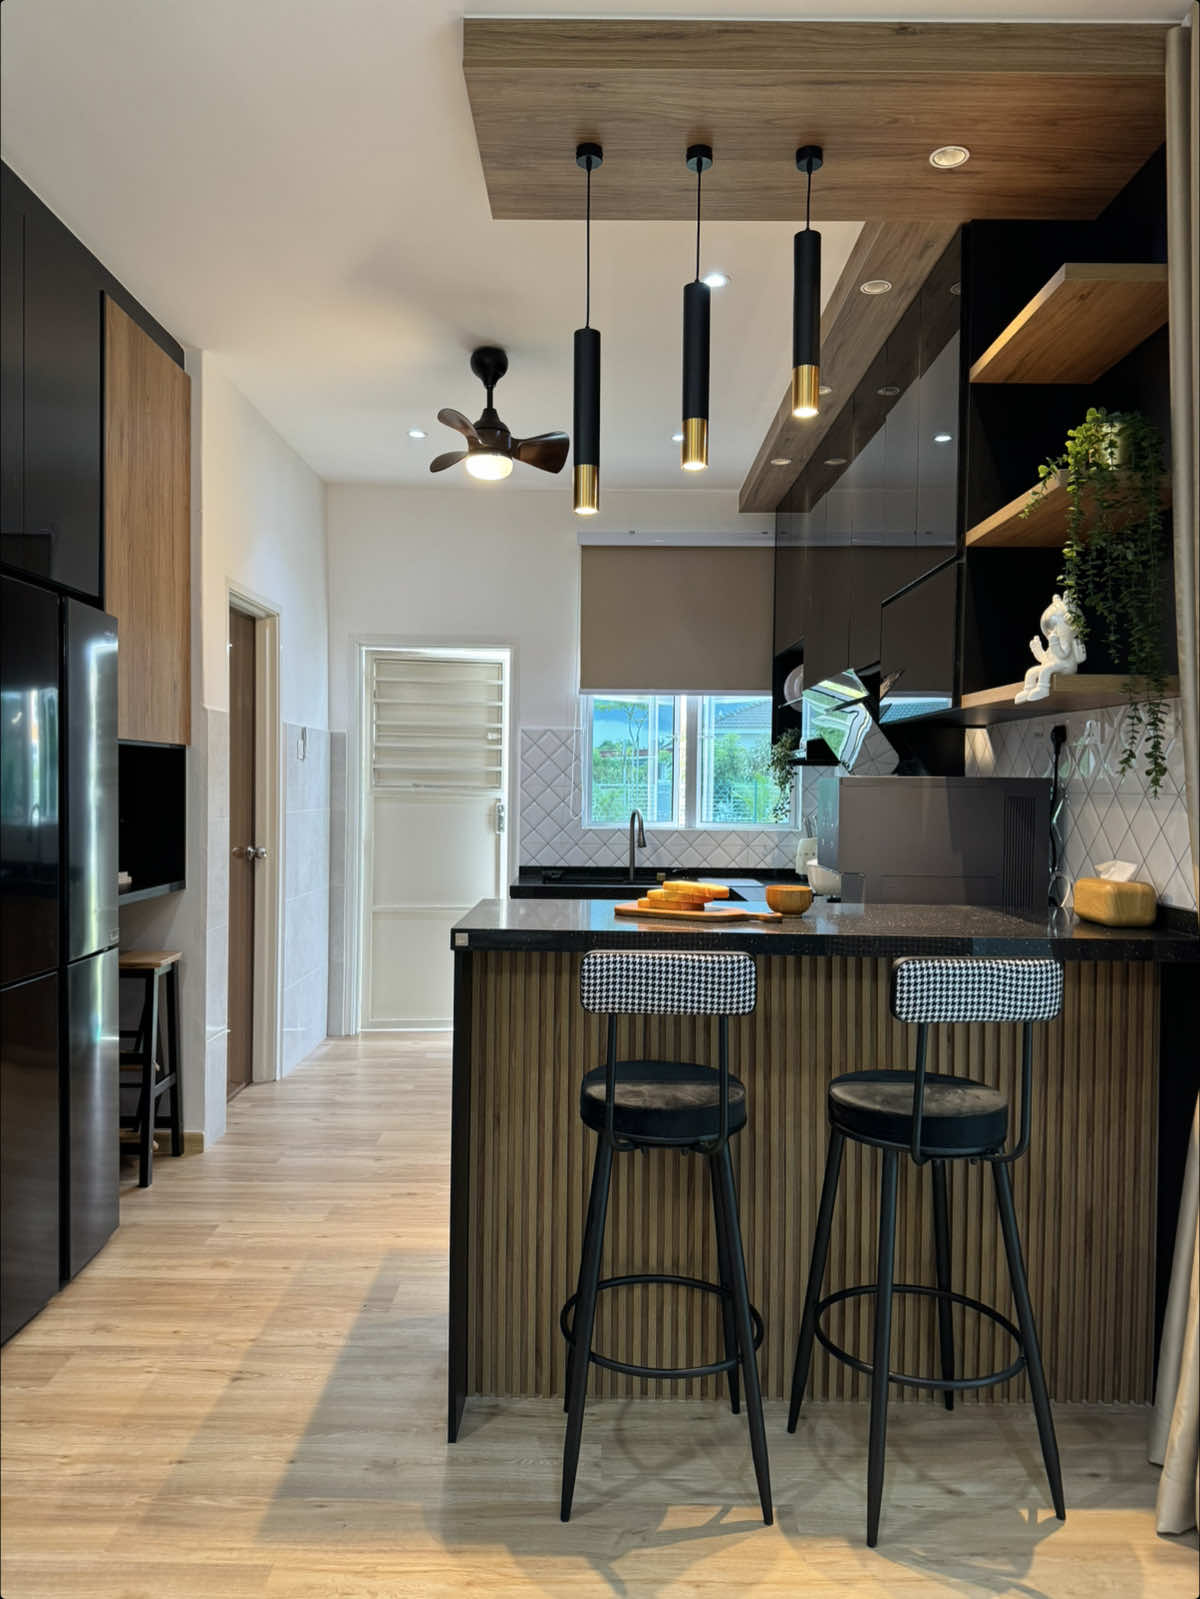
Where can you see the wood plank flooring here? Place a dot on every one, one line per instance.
(244, 1395)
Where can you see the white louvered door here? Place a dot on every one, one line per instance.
(437, 767)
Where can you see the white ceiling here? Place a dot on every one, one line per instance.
(297, 188)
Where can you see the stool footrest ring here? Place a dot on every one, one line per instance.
(903, 1379)
(566, 1322)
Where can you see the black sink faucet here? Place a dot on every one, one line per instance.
(637, 840)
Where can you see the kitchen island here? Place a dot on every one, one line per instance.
(521, 1158)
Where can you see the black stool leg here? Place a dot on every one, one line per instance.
(725, 1276)
(1029, 1337)
(745, 1332)
(881, 1361)
(173, 1067)
(816, 1274)
(146, 1114)
(588, 1227)
(941, 1250)
(585, 1319)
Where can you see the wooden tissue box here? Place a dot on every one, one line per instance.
(1115, 904)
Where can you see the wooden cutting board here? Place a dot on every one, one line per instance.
(710, 913)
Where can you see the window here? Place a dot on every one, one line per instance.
(632, 745)
(733, 759)
(683, 761)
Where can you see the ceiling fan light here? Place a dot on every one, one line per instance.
(489, 466)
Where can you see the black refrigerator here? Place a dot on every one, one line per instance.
(59, 1072)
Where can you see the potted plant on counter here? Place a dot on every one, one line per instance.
(1112, 577)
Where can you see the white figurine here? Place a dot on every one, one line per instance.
(1062, 652)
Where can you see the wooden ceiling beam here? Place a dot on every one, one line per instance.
(1057, 116)
(854, 328)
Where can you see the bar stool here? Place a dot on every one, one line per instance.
(157, 1070)
(935, 1118)
(645, 1104)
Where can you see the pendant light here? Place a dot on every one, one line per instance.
(806, 298)
(586, 470)
(697, 298)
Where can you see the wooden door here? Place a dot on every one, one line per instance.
(242, 850)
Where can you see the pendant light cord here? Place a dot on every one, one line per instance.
(808, 202)
(587, 235)
(699, 180)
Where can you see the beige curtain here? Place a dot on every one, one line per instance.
(1176, 1427)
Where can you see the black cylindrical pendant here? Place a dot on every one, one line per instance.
(806, 322)
(586, 471)
(697, 299)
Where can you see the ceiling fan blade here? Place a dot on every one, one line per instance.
(455, 419)
(548, 451)
(451, 458)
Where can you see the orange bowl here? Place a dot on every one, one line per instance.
(790, 899)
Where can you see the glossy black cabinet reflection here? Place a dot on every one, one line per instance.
(29, 780)
(91, 1094)
(60, 538)
(29, 1172)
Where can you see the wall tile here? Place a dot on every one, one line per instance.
(552, 831)
(1106, 814)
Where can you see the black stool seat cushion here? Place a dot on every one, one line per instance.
(959, 1115)
(663, 1100)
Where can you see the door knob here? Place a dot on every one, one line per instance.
(255, 852)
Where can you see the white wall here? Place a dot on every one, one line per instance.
(257, 525)
(263, 531)
(483, 563)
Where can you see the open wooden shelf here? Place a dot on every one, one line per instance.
(1044, 528)
(1086, 691)
(1082, 322)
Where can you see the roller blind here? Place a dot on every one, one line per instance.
(676, 621)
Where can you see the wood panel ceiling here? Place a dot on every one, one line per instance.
(1057, 116)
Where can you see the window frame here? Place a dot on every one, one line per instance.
(688, 716)
(676, 823)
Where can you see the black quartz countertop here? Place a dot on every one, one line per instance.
(826, 929)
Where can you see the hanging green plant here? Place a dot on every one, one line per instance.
(782, 759)
(1112, 577)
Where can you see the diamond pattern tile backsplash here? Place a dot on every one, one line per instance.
(1105, 815)
(553, 834)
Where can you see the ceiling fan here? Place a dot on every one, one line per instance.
(491, 448)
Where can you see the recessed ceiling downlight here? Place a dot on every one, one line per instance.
(948, 156)
(888, 391)
(875, 286)
(715, 280)
(417, 433)
(942, 438)
(781, 460)
(835, 460)
(676, 438)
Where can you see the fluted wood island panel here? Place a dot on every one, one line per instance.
(1085, 1192)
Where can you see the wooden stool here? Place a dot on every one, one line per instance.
(150, 967)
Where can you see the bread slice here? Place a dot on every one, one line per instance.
(683, 889)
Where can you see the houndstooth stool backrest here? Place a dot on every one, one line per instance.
(973, 990)
(662, 983)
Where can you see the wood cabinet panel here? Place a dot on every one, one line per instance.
(147, 529)
(1084, 1193)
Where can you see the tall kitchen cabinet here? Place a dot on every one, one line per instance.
(51, 465)
(147, 523)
